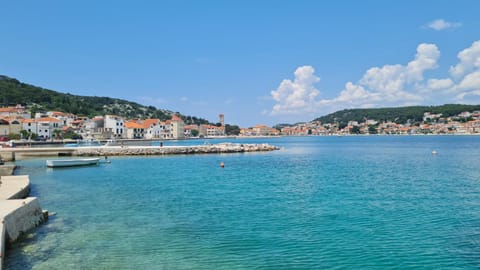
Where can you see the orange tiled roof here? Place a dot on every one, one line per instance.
(149, 122)
(48, 119)
(176, 118)
(58, 114)
(132, 124)
(8, 109)
(28, 121)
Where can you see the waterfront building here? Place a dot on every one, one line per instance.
(64, 118)
(210, 131)
(10, 125)
(18, 112)
(46, 126)
(134, 130)
(115, 125)
(188, 130)
(154, 128)
(177, 127)
(30, 125)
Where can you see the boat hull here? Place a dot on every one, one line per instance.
(72, 162)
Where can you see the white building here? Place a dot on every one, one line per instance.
(115, 125)
(178, 131)
(134, 130)
(17, 112)
(46, 126)
(155, 129)
(66, 119)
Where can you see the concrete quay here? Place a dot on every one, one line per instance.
(7, 169)
(18, 213)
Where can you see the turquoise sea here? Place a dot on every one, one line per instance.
(318, 203)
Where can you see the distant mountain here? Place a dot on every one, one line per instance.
(400, 115)
(14, 92)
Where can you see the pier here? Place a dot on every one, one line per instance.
(18, 213)
(10, 154)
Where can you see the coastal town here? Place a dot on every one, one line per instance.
(465, 123)
(17, 122)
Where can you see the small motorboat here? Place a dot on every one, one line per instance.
(72, 162)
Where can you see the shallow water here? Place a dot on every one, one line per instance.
(318, 203)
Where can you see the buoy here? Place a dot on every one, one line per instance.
(434, 152)
(222, 164)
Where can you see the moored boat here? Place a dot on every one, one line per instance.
(72, 162)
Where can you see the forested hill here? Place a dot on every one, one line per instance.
(399, 115)
(13, 92)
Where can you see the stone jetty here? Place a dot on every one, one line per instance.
(11, 154)
(172, 150)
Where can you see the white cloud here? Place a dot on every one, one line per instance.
(425, 59)
(439, 84)
(297, 96)
(389, 78)
(388, 85)
(441, 24)
(470, 82)
(469, 60)
(473, 97)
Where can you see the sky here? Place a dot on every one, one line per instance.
(256, 62)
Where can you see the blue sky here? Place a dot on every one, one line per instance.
(254, 61)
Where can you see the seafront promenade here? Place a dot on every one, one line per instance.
(10, 154)
(18, 212)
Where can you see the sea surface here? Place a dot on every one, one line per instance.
(366, 202)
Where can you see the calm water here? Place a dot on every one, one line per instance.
(319, 203)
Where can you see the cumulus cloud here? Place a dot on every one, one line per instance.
(388, 85)
(297, 96)
(470, 82)
(425, 59)
(441, 24)
(439, 84)
(469, 60)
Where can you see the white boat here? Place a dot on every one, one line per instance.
(72, 162)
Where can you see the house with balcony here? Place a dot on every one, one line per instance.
(135, 130)
(115, 125)
(154, 128)
(46, 126)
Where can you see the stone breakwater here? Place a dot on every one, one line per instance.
(172, 150)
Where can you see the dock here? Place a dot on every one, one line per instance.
(11, 154)
(18, 213)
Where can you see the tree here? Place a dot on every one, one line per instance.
(27, 135)
(232, 129)
(372, 129)
(194, 132)
(71, 135)
(57, 133)
(355, 130)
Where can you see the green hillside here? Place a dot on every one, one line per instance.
(400, 115)
(14, 92)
